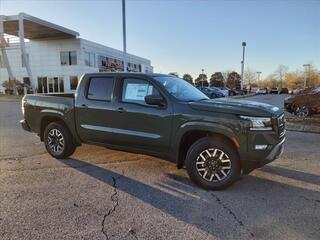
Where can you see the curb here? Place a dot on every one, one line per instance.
(10, 100)
(242, 96)
(302, 128)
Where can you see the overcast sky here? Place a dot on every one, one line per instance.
(186, 36)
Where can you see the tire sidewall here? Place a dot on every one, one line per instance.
(211, 142)
(68, 148)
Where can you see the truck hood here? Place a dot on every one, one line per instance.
(236, 106)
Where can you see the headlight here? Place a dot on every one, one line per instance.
(23, 105)
(259, 123)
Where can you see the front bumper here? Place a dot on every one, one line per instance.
(257, 158)
(276, 151)
(25, 125)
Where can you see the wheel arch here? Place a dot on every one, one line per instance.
(189, 136)
(46, 120)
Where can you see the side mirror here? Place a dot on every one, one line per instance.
(154, 100)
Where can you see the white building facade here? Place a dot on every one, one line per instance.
(55, 65)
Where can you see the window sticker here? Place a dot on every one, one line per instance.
(137, 91)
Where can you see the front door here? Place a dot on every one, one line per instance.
(140, 125)
(94, 111)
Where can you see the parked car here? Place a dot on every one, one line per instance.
(274, 90)
(212, 92)
(262, 91)
(225, 91)
(297, 90)
(284, 91)
(228, 92)
(304, 105)
(163, 116)
(234, 92)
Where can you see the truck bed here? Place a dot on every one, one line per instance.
(40, 106)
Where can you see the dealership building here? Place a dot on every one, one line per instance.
(51, 58)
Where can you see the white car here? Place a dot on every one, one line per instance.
(225, 91)
(262, 91)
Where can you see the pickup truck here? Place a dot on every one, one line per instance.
(160, 115)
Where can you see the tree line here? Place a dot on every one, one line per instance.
(280, 78)
(230, 79)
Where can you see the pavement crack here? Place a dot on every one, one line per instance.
(231, 213)
(114, 198)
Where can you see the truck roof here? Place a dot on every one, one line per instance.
(127, 74)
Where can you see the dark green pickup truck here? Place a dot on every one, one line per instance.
(162, 116)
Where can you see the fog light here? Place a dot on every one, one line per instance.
(260, 147)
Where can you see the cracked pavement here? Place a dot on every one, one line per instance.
(104, 194)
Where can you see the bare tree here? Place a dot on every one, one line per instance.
(281, 73)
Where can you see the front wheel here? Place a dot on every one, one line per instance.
(213, 163)
(58, 140)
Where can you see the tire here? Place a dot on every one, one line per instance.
(212, 96)
(302, 111)
(203, 168)
(58, 140)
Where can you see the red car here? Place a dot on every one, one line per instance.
(304, 104)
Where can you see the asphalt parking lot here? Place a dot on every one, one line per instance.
(104, 194)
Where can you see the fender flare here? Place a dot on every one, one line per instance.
(212, 127)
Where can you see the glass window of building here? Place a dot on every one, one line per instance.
(73, 57)
(1, 62)
(61, 84)
(92, 60)
(68, 58)
(73, 82)
(87, 58)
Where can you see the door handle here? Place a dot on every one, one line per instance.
(121, 110)
(83, 106)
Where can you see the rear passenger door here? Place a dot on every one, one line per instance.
(94, 110)
(139, 125)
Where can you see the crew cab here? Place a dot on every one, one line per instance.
(159, 115)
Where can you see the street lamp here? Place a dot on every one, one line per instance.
(258, 75)
(244, 44)
(202, 77)
(305, 74)
(124, 35)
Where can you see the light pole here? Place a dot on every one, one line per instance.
(242, 64)
(124, 35)
(305, 74)
(202, 77)
(258, 75)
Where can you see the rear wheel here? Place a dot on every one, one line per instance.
(58, 140)
(213, 163)
(302, 111)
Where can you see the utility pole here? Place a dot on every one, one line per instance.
(124, 35)
(242, 64)
(305, 74)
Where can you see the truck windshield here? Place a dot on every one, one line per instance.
(181, 89)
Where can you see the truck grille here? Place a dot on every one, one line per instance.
(281, 125)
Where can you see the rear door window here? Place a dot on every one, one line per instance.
(100, 88)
